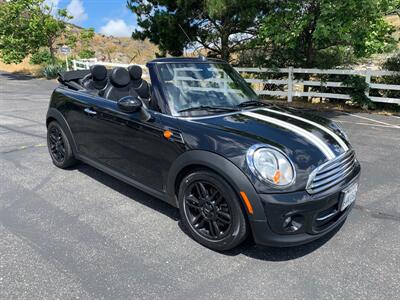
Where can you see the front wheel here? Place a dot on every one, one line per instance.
(211, 211)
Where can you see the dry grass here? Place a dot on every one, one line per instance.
(123, 50)
(23, 68)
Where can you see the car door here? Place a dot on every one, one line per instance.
(127, 143)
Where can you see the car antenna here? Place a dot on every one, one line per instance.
(202, 57)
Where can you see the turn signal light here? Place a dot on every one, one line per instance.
(167, 134)
(277, 176)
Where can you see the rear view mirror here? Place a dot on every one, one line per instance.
(130, 104)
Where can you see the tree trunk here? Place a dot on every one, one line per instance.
(309, 50)
(225, 51)
(51, 49)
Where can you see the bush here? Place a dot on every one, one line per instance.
(357, 90)
(86, 53)
(50, 71)
(391, 64)
(40, 58)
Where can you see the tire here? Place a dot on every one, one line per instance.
(211, 211)
(59, 146)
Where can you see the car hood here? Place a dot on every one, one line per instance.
(307, 140)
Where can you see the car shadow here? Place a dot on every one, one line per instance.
(250, 249)
(129, 191)
(16, 76)
(247, 248)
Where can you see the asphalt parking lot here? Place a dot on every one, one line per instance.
(82, 234)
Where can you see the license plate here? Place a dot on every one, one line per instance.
(349, 196)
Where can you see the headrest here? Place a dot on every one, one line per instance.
(166, 74)
(99, 72)
(119, 77)
(135, 72)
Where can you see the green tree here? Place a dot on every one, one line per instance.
(71, 40)
(312, 33)
(222, 27)
(28, 25)
(86, 36)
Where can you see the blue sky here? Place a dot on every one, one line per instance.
(110, 17)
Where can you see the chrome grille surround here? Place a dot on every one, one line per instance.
(331, 173)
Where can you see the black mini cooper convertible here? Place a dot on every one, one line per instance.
(197, 137)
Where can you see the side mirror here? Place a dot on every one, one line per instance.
(130, 104)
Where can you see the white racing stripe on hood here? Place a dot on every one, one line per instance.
(323, 128)
(298, 130)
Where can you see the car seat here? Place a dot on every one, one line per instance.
(118, 85)
(137, 83)
(96, 80)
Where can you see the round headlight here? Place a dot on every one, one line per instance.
(270, 165)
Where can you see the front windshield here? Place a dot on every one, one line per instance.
(203, 88)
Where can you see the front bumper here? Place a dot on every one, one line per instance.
(317, 214)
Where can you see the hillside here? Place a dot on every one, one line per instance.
(116, 49)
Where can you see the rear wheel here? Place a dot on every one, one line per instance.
(59, 146)
(211, 211)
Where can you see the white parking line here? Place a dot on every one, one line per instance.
(367, 124)
(373, 120)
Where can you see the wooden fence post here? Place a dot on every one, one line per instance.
(290, 85)
(74, 64)
(368, 80)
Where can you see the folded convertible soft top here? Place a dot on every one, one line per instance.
(72, 75)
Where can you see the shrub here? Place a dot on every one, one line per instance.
(40, 57)
(357, 90)
(50, 71)
(392, 64)
(86, 53)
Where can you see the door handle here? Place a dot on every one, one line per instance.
(90, 112)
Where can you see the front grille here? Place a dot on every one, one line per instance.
(331, 173)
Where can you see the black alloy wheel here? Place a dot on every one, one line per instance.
(59, 146)
(211, 211)
(56, 144)
(207, 210)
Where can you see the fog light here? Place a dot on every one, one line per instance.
(293, 223)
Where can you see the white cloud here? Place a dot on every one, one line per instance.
(117, 28)
(75, 8)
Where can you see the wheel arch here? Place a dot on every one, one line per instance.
(201, 159)
(55, 115)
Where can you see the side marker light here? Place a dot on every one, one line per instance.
(247, 203)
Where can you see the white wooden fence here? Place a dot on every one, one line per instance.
(291, 83)
(291, 87)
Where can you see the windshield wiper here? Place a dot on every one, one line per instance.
(207, 107)
(251, 103)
